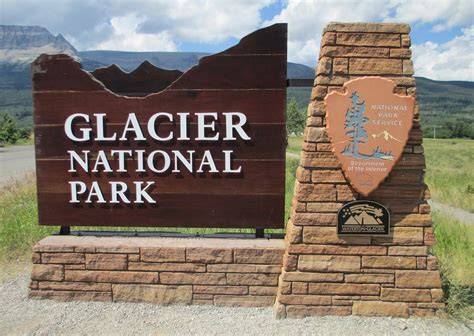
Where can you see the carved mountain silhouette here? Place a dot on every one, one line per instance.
(362, 219)
(145, 79)
(386, 136)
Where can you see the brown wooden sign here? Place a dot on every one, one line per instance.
(208, 150)
(368, 126)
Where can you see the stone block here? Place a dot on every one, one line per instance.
(402, 236)
(319, 160)
(102, 261)
(243, 301)
(351, 51)
(62, 258)
(343, 289)
(299, 288)
(153, 294)
(74, 286)
(400, 53)
(315, 192)
(226, 290)
(340, 66)
(300, 311)
(47, 272)
(208, 255)
(315, 134)
(263, 290)
(405, 295)
(36, 258)
(313, 277)
(369, 278)
(367, 27)
(166, 267)
(328, 235)
(162, 254)
(312, 300)
(417, 279)
(323, 206)
(317, 219)
(324, 66)
(375, 66)
(111, 276)
(368, 39)
(252, 279)
(322, 263)
(243, 268)
(176, 278)
(70, 295)
(377, 308)
(337, 249)
(394, 262)
(122, 248)
(418, 251)
(303, 175)
(327, 176)
(258, 256)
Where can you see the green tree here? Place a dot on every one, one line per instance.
(9, 131)
(295, 118)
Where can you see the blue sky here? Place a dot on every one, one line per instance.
(442, 30)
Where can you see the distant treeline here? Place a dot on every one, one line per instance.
(447, 108)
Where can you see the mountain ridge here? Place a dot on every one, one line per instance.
(441, 101)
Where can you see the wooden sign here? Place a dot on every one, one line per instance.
(368, 126)
(363, 218)
(204, 148)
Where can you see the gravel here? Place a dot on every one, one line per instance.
(20, 315)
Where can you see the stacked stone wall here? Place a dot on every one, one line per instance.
(225, 272)
(326, 274)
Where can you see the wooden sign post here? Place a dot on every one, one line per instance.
(201, 149)
(362, 143)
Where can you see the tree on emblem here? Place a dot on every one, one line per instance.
(355, 121)
(354, 125)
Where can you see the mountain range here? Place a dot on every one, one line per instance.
(440, 101)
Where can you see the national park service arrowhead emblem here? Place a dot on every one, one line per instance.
(369, 126)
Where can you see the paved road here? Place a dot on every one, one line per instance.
(15, 162)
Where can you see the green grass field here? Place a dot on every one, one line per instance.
(450, 171)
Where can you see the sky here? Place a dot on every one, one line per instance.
(442, 30)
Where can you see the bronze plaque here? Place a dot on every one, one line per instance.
(363, 218)
(153, 147)
(368, 125)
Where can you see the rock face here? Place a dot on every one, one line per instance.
(22, 44)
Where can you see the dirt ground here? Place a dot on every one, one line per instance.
(22, 316)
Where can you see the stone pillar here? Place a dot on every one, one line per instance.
(323, 273)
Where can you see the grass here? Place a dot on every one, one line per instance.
(450, 171)
(455, 251)
(19, 229)
(294, 144)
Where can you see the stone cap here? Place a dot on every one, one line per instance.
(134, 242)
(365, 27)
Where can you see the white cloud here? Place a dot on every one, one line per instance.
(139, 24)
(452, 60)
(125, 36)
(307, 19)
(444, 14)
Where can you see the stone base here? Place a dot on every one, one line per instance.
(215, 271)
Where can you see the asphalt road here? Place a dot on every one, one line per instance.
(15, 162)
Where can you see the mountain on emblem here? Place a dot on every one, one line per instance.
(368, 126)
